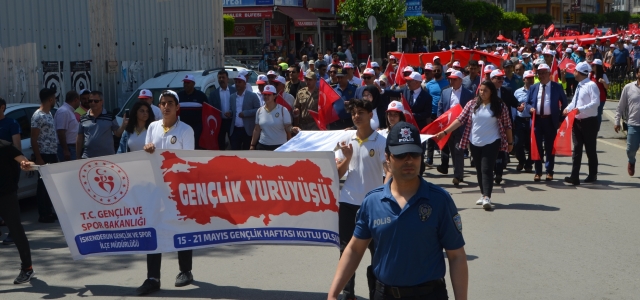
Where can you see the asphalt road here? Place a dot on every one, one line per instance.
(542, 241)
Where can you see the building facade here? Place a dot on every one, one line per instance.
(565, 11)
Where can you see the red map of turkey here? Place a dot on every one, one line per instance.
(234, 189)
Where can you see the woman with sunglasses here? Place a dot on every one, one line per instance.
(273, 123)
(135, 132)
(488, 131)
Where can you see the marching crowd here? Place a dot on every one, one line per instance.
(498, 103)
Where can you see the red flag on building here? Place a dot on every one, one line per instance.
(408, 114)
(441, 123)
(525, 32)
(316, 117)
(326, 97)
(535, 155)
(211, 123)
(280, 100)
(399, 79)
(562, 144)
(549, 30)
(390, 73)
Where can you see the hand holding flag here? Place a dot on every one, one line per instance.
(441, 123)
(562, 144)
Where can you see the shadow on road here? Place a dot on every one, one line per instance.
(526, 206)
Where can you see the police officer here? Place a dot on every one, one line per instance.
(393, 217)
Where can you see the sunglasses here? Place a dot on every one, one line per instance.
(499, 78)
(366, 77)
(332, 72)
(94, 101)
(413, 155)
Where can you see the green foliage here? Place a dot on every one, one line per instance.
(229, 24)
(418, 27)
(514, 21)
(388, 13)
(592, 19)
(540, 19)
(477, 15)
(442, 7)
(635, 18)
(618, 17)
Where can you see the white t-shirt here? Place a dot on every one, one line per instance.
(238, 122)
(179, 136)
(272, 125)
(137, 141)
(484, 127)
(65, 118)
(365, 168)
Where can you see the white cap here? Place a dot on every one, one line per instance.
(374, 65)
(280, 79)
(84, 91)
(241, 77)
(408, 69)
(414, 76)
(189, 77)
(496, 72)
(489, 68)
(395, 106)
(528, 74)
(539, 49)
(583, 67)
(456, 64)
(172, 93)
(435, 57)
(243, 72)
(597, 61)
(499, 48)
(392, 57)
(514, 50)
(543, 67)
(145, 94)
(496, 53)
(428, 66)
(575, 46)
(269, 90)
(526, 55)
(580, 49)
(348, 66)
(548, 52)
(368, 71)
(568, 50)
(262, 79)
(634, 41)
(456, 74)
(272, 72)
(612, 46)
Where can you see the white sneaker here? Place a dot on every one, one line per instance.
(480, 201)
(486, 203)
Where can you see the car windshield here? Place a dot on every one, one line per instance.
(156, 98)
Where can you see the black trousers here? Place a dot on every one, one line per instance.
(572, 84)
(522, 143)
(263, 147)
(185, 261)
(224, 132)
(10, 213)
(45, 208)
(240, 140)
(346, 226)
(485, 160)
(439, 293)
(455, 153)
(585, 133)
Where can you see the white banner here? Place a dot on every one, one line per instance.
(178, 200)
(325, 140)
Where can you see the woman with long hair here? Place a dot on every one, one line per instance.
(273, 123)
(488, 131)
(137, 123)
(600, 78)
(395, 114)
(372, 94)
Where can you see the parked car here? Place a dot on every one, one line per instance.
(206, 81)
(22, 112)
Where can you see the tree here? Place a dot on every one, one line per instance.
(478, 15)
(388, 13)
(514, 21)
(635, 18)
(229, 24)
(620, 18)
(541, 19)
(591, 19)
(441, 7)
(418, 27)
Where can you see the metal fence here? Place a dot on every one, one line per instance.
(618, 78)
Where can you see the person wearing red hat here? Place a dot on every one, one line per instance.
(147, 96)
(273, 123)
(191, 101)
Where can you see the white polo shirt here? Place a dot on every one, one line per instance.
(365, 168)
(586, 99)
(179, 136)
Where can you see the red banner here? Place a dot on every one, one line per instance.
(463, 56)
(562, 144)
(211, 123)
(316, 118)
(504, 39)
(441, 123)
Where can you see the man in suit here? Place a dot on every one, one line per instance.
(506, 95)
(419, 100)
(546, 99)
(220, 99)
(453, 95)
(244, 105)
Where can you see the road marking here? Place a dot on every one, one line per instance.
(612, 144)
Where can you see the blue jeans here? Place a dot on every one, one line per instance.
(72, 151)
(633, 142)
(600, 110)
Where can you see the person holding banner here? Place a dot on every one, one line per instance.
(138, 120)
(391, 216)
(273, 123)
(488, 132)
(585, 126)
(168, 133)
(362, 156)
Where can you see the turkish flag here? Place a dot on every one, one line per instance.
(597, 32)
(326, 97)
(525, 32)
(554, 70)
(316, 117)
(211, 123)
(369, 62)
(568, 64)
(441, 123)
(281, 101)
(549, 30)
(408, 114)
(301, 75)
(535, 155)
(609, 32)
(356, 72)
(633, 26)
(562, 145)
(399, 79)
(390, 73)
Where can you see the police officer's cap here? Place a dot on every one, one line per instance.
(404, 138)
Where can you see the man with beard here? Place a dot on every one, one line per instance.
(435, 87)
(220, 99)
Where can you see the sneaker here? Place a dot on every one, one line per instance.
(486, 203)
(25, 276)
(8, 240)
(184, 278)
(149, 286)
(442, 169)
(480, 201)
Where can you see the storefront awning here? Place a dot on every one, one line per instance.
(301, 16)
(249, 12)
